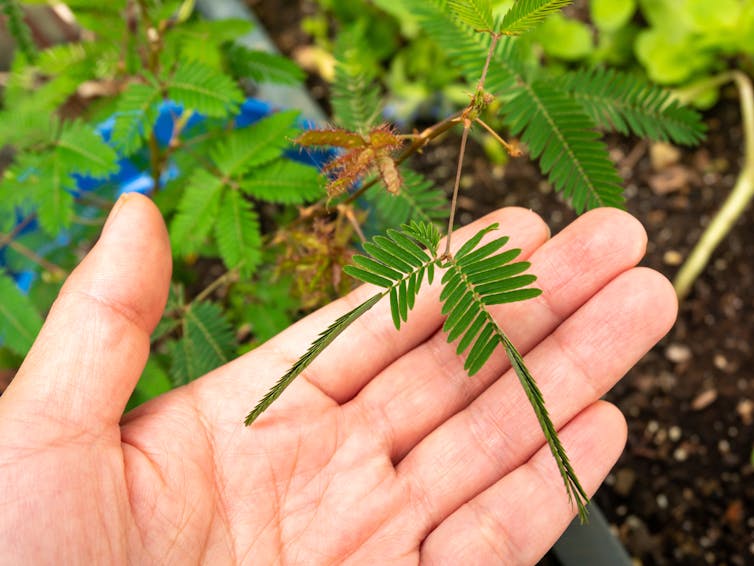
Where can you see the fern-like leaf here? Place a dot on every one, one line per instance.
(398, 263)
(628, 104)
(205, 90)
(197, 212)
(19, 320)
(324, 340)
(18, 29)
(355, 96)
(81, 150)
(285, 182)
(525, 14)
(467, 50)
(419, 199)
(474, 13)
(255, 145)
(558, 132)
(480, 276)
(135, 115)
(237, 233)
(263, 67)
(207, 342)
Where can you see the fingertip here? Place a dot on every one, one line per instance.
(625, 234)
(515, 220)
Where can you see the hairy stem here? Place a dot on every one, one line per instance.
(738, 199)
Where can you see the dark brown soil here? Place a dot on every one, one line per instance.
(683, 491)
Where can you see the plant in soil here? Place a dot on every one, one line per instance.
(556, 118)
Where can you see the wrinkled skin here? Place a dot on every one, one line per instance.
(382, 452)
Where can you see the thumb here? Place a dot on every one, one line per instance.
(92, 349)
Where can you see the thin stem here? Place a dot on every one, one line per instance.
(493, 45)
(56, 270)
(226, 278)
(5, 239)
(512, 149)
(454, 201)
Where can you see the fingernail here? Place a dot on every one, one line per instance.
(115, 210)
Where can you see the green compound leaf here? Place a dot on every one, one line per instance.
(627, 104)
(526, 14)
(19, 320)
(135, 116)
(263, 67)
(474, 13)
(81, 150)
(285, 182)
(237, 233)
(324, 340)
(398, 262)
(205, 90)
(477, 277)
(561, 135)
(207, 343)
(197, 212)
(355, 94)
(419, 199)
(255, 145)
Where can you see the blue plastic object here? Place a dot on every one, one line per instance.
(133, 174)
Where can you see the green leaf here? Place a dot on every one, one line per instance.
(355, 95)
(207, 343)
(19, 320)
(419, 199)
(81, 150)
(285, 182)
(255, 145)
(324, 340)
(470, 320)
(474, 13)
(205, 90)
(525, 14)
(237, 233)
(263, 67)
(135, 116)
(559, 133)
(566, 39)
(197, 212)
(611, 15)
(628, 104)
(397, 262)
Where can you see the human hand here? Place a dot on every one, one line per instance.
(383, 451)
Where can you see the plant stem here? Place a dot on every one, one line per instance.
(228, 277)
(738, 199)
(56, 270)
(493, 45)
(5, 239)
(456, 185)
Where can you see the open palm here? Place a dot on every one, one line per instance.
(384, 451)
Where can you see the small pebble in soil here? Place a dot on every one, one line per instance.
(678, 353)
(674, 433)
(704, 399)
(672, 258)
(745, 410)
(680, 454)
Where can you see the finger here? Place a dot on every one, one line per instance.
(368, 346)
(574, 366)
(91, 350)
(570, 268)
(521, 516)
